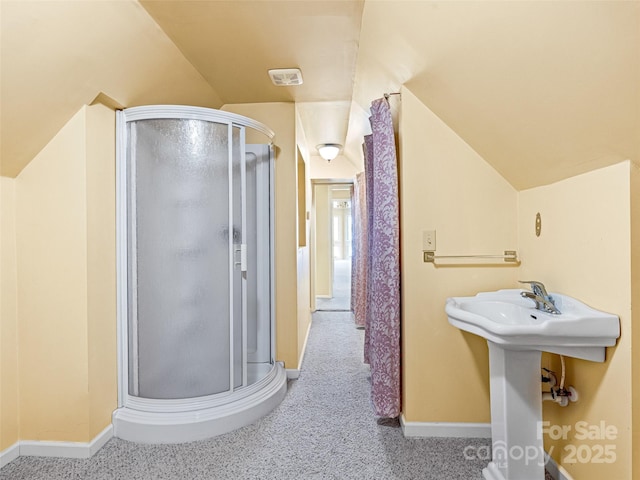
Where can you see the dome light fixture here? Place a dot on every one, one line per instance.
(329, 151)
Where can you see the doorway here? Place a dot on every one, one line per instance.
(333, 246)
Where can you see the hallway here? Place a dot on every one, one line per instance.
(341, 300)
(324, 429)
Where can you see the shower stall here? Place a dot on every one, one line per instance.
(195, 274)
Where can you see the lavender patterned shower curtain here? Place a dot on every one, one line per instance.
(359, 258)
(382, 315)
(368, 185)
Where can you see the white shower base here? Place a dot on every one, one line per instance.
(179, 421)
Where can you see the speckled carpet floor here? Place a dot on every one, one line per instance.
(324, 429)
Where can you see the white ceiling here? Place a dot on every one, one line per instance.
(542, 90)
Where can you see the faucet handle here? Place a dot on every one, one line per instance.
(537, 287)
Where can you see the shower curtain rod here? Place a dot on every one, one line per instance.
(387, 95)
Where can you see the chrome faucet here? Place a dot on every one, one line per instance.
(539, 294)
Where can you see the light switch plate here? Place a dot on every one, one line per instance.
(429, 240)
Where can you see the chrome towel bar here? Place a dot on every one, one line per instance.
(509, 256)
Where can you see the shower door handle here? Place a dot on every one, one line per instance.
(242, 249)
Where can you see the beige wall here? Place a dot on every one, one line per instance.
(448, 187)
(9, 421)
(305, 302)
(52, 289)
(66, 282)
(101, 266)
(303, 210)
(584, 251)
(635, 307)
(323, 260)
(280, 117)
(304, 276)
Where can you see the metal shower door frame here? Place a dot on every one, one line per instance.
(126, 398)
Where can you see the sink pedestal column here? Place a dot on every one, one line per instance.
(516, 415)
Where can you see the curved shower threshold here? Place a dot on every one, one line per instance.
(225, 414)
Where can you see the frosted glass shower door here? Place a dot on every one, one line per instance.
(195, 305)
(181, 240)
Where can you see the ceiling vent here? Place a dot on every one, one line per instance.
(285, 77)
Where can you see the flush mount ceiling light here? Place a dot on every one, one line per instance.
(286, 77)
(329, 151)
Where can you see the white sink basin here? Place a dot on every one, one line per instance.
(516, 334)
(513, 322)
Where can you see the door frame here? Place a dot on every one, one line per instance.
(313, 229)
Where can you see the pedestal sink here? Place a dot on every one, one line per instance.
(516, 334)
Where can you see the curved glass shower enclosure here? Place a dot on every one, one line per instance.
(195, 274)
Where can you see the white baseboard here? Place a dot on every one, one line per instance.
(9, 454)
(555, 470)
(469, 430)
(36, 448)
(294, 373)
(445, 429)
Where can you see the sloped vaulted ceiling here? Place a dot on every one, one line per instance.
(58, 56)
(542, 90)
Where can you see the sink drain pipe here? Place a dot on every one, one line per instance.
(559, 395)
